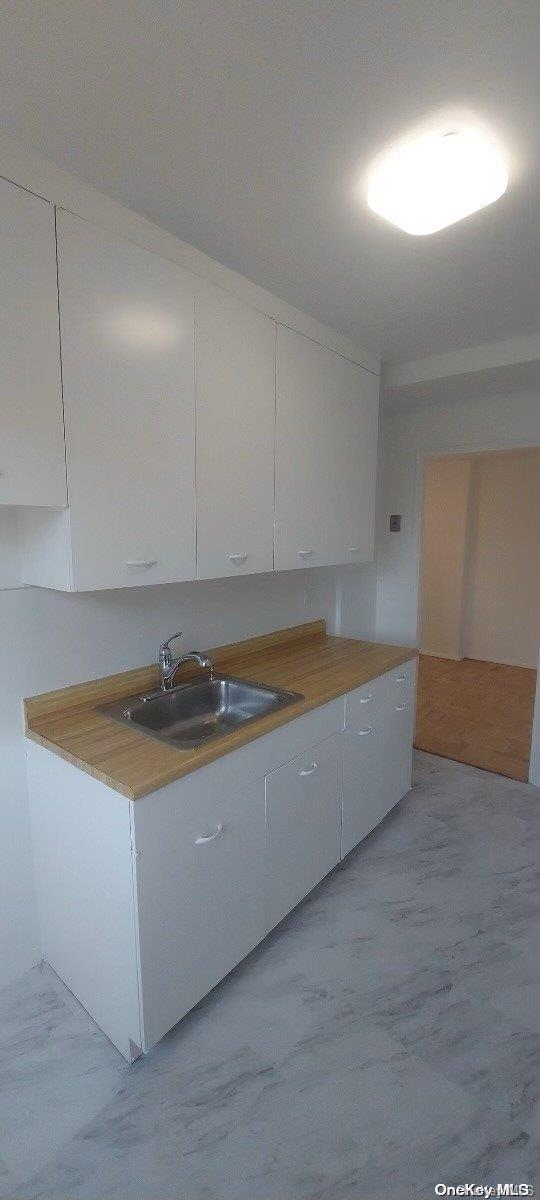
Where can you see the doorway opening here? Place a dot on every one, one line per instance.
(479, 627)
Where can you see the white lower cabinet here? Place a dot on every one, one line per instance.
(377, 751)
(303, 826)
(398, 764)
(146, 905)
(200, 904)
(365, 800)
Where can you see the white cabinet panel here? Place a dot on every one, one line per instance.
(200, 898)
(365, 800)
(32, 461)
(84, 884)
(235, 389)
(399, 733)
(377, 751)
(126, 320)
(303, 826)
(326, 455)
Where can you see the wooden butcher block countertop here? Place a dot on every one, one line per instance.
(302, 659)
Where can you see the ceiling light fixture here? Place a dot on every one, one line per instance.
(429, 181)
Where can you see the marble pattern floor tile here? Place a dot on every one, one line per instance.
(56, 1070)
(384, 1038)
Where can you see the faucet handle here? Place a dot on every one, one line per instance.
(167, 645)
(165, 656)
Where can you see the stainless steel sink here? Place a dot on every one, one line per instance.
(193, 713)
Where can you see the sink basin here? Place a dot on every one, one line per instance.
(194, 713)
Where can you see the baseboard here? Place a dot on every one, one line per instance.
(439, 654)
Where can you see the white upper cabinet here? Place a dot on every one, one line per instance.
(32, 463)
(235, 388)
(326, 455)
(126, 318)
(201, 438)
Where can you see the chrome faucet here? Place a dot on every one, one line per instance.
(168, 665)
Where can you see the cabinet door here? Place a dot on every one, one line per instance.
(377, 752)
(126, 319)
(398, 764)
(303, 826)
(326, 455)
(199, 870)
(235, 389)
(365, 794)
(32, 461)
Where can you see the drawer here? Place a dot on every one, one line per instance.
(303, 826)
(362, 705)
(379, 695)
(403, 680)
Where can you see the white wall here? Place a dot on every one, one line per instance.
(444, 541)
(10, 557)
(502, 619)
(406, 438)
(51, 639)
(480, 557)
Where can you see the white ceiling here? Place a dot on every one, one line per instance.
(241, 126)
(471, 385)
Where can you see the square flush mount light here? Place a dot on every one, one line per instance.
(425, 183)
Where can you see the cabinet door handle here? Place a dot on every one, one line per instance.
(141, 564)
(354, 550)
(310, 770)
(400, 707)
(202, 841)
(401, 678)
(364, 732)
(238, 558)
(366, 699)
(305, 553)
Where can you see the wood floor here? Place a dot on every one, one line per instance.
(475, 712)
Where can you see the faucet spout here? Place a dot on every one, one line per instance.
(168, 666)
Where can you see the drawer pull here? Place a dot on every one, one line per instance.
(364, 732)
(310, 770)
(238, 558)
(202, 841)
(366, 699)
(401, 679)
(400, 707)
(305, 553)
(141, 564)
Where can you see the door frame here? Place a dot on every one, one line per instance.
(481, 446)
